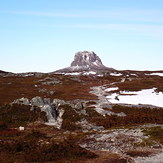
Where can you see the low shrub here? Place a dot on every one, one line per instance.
(9, 133)
(139, 153)
(134, 116)
(19, 115)
(70, 117)
(33, 151)
(3, 126)
(156, 133)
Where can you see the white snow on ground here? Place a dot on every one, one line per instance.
(115, 74)
(100, 75)
(111, 89)
(159, 74)
(146, 96)
(28, 75)
(134, 74)
(90, 72)
(72, 73)
(79, 73)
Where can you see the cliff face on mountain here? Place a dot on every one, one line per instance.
(85, 61)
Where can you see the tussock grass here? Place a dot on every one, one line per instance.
(155, 133)
(134, 116)
(142, 83)
(139, 153)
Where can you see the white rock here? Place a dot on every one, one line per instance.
(21, 128)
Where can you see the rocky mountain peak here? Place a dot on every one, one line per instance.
(87, 59)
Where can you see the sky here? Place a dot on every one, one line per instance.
(44, 35)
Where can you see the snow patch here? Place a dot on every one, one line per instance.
(111, 89)
(158, 74)
(80, 73)
(134, 74)
(146, 96)
(100, 75)
(89, 73)
(116, 74)
(72, 73)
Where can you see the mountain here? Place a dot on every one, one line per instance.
(85, 61)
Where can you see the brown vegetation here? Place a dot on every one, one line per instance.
(156, 134)
(16, 115)
(134, 116)
(15, 87)
(48, 144)
(139, 84)
(140, 153)
(36, 147)
(70, 117)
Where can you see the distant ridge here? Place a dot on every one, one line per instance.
(4, 73)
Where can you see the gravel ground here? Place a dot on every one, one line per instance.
(157, 158)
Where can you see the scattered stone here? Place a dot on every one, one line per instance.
(52, 93)
(51, 82)
(43, 90)
(87, 126)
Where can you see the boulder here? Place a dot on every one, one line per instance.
(37, 101)
(79, 106)
(50, 112)
(23, 101)
(58, 101)
(46, 101)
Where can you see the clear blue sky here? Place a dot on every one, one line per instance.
(44, 35)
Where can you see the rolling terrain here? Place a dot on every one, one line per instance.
(80, 115)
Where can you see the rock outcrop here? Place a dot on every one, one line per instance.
(53, 114)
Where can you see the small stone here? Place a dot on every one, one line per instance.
(21, 128)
